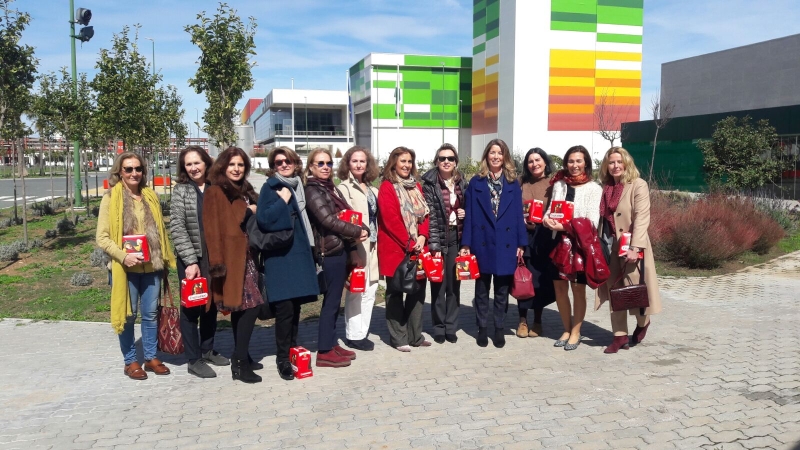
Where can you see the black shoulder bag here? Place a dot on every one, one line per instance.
(405, 276)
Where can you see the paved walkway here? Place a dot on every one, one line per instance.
(720, 369)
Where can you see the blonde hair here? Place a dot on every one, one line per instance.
(631, 172)
(114, 174)
(509, 169)
(313, 155)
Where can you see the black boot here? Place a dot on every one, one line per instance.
(483, 339)
(254, 365)
(499, 338)
(242, 371)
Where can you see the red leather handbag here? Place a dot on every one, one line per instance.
(170, 339)
(632, 296)
(522, 286)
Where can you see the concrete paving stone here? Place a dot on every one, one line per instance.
(758, 442)
(692, 443)
(660, 437)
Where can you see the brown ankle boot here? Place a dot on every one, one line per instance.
(619, 342)
(522, 329)
(535, 330)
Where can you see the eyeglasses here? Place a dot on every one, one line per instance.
(280, 162)
(138, 169)
(322, 164)
(447, 158)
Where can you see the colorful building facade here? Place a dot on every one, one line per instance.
(545, 71)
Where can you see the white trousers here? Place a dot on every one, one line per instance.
(358, 311)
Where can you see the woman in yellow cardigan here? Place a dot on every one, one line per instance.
(625, 208)
(129, 207)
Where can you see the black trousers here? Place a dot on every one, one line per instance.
(335, 268)
(287, 319)
(195, 345)
(481, 302)
(243, 323)
(404, 319)
(446, 296)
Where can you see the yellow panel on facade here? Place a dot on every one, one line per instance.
(492, 77)
(572, 81)
(492, 60)
(626, 74)
(618, 56)
(573, 59)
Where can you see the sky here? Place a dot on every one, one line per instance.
(316, 41)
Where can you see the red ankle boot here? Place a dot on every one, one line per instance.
(639, 334)
(619, 342)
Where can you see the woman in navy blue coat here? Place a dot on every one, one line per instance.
(290, 276)
(494, 231)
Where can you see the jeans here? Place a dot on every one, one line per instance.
(335, 268)
(142, 287)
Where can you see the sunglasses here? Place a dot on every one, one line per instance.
(280, 162)
(322, 164)
(447, 158)
(138, 169)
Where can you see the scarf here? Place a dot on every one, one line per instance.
(157, 237)
(446, 191)
(372, 206)
(578, 180)
(612, 193)
(495, 189)
(300, 197)
(412, 204)
(336, 196)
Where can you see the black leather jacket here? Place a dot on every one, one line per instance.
(331, 234)
(438, 222)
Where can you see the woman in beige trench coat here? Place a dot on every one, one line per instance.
(625, 207)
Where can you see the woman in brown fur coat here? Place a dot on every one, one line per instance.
(227, 204)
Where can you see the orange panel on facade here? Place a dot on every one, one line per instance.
(561, 72)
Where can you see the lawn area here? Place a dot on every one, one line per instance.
(37, 286)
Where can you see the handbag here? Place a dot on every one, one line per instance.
(170, 339)
(273, 240)
(405, 276)
(522, 285)
(632, 296)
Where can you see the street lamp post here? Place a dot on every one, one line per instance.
(86, 33)
(197, 123)
(442, 102)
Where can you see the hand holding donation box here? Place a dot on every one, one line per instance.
(136, 244)
(194, 292)
(562, 211)
(348, 215)
(356, 280)
(533, 210)
(467, 268)
(433, 266)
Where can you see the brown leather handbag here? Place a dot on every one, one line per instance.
(170, 339)
(632, 296)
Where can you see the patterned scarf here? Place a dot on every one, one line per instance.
(413, 207)
(450, 187)
(372, 206)
(300, 197)
(495, 189)
(578, 180)
(612, 193)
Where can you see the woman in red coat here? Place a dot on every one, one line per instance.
(402, 224)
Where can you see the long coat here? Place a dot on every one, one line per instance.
(288, 272)
(227, 245)
(392, 231)
(494, 240)
(354, 197)
(633, 216)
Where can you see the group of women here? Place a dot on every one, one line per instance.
(215, 214)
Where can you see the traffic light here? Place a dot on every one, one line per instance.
(82, 17)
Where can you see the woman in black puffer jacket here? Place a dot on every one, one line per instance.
(444, 187)
(334, 239)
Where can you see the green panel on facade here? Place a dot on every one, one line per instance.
(416, 84)
(615, 15)
(450, 97)
(417, 96)
(354, 70)
(478, 5)
(623, 3)
(447, 116)
(573, 26)
(492, 32)
(428, 61)
(384, 84)
(383, 111)
(478, 48)
(572, 6)
(573, 17)
(619, 38)
(416, 116)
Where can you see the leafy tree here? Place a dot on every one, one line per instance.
(17, 75)
(742, 155)
(124, 88)
(224, 72)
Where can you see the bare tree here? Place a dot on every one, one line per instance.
(661, 114)
(608, 118)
